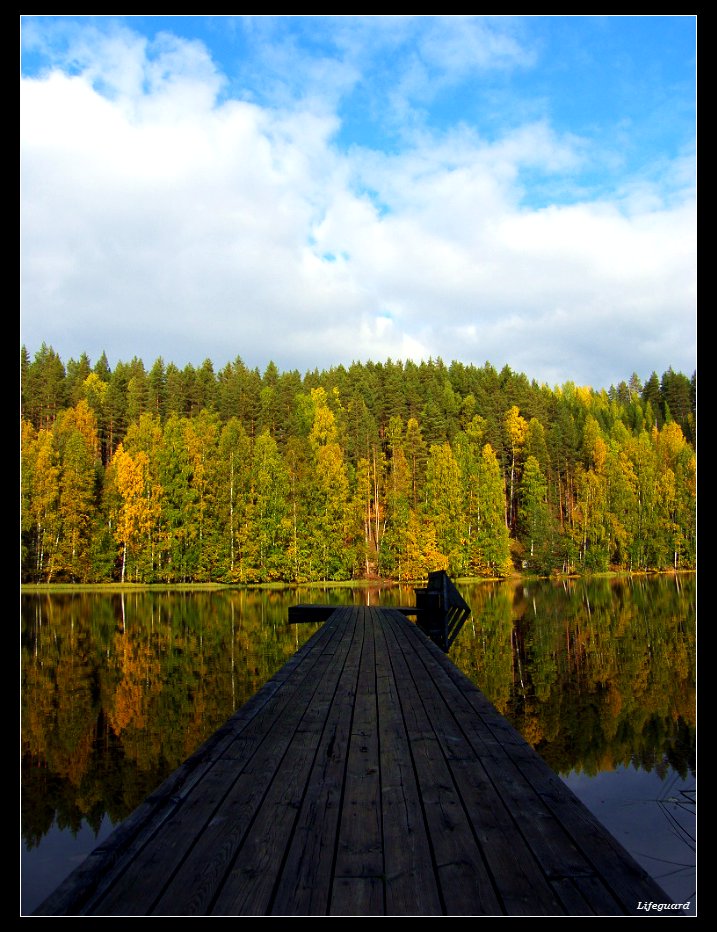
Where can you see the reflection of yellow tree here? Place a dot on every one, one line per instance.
(532, 726)
(71, 749)
(197, 729)
(72, 760)
(139, 680)
(38, 705)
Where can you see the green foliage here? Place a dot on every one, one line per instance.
(169, 475)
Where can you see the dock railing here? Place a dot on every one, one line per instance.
(440, 610)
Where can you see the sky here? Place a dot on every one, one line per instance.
(314, 191)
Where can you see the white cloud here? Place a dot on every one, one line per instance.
(160, 219)
(463, 44)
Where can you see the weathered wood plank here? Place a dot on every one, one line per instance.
(518, 875)
(466, 886)
(601, 856)
(515, 872)
(304, 887)
(359, 851)
(253, 885)
(486, 788)
(411, 880)
(566, 838)
(357, 896)
(248, 846)
(301, 614)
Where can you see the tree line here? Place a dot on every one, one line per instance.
(392, 469)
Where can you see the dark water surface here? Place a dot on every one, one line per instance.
(118, 690)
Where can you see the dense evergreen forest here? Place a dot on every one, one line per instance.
(393, 469)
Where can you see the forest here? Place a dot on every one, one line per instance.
(169, 475)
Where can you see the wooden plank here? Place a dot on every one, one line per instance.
(359, 850)
(514, 870)
(245, 849)
(357, 896)
(411, 881)
(489, 792)
(252, 886)
(619, 873)
(305, 882)
(466, 886)
(552, 848)
(553, 820)
(573, 900)
(601, 855)
(300, 614)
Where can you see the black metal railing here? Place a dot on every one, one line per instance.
(440, 610)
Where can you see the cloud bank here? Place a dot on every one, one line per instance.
(170, 207)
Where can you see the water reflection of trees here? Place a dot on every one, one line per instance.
(594, 674)
(118, 690)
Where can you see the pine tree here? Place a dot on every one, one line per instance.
(392, 556)
(115, 408)
(75, 436)
(137, 394)
(205, 388)
(622, 493)
(328, 506)
(610, 475)
(414, 448)
(45, 390)
(157, 389)
(143, 444)
(468, 446)
(179, 543)
(652, 395)
(94, 393)
(175, 389)
(77, 372)
(676, 394)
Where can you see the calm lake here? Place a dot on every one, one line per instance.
(119, 689)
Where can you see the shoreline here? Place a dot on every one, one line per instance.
(377, 582)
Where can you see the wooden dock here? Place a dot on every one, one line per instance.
(368, 777)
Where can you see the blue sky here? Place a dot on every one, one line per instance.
(314, 191)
